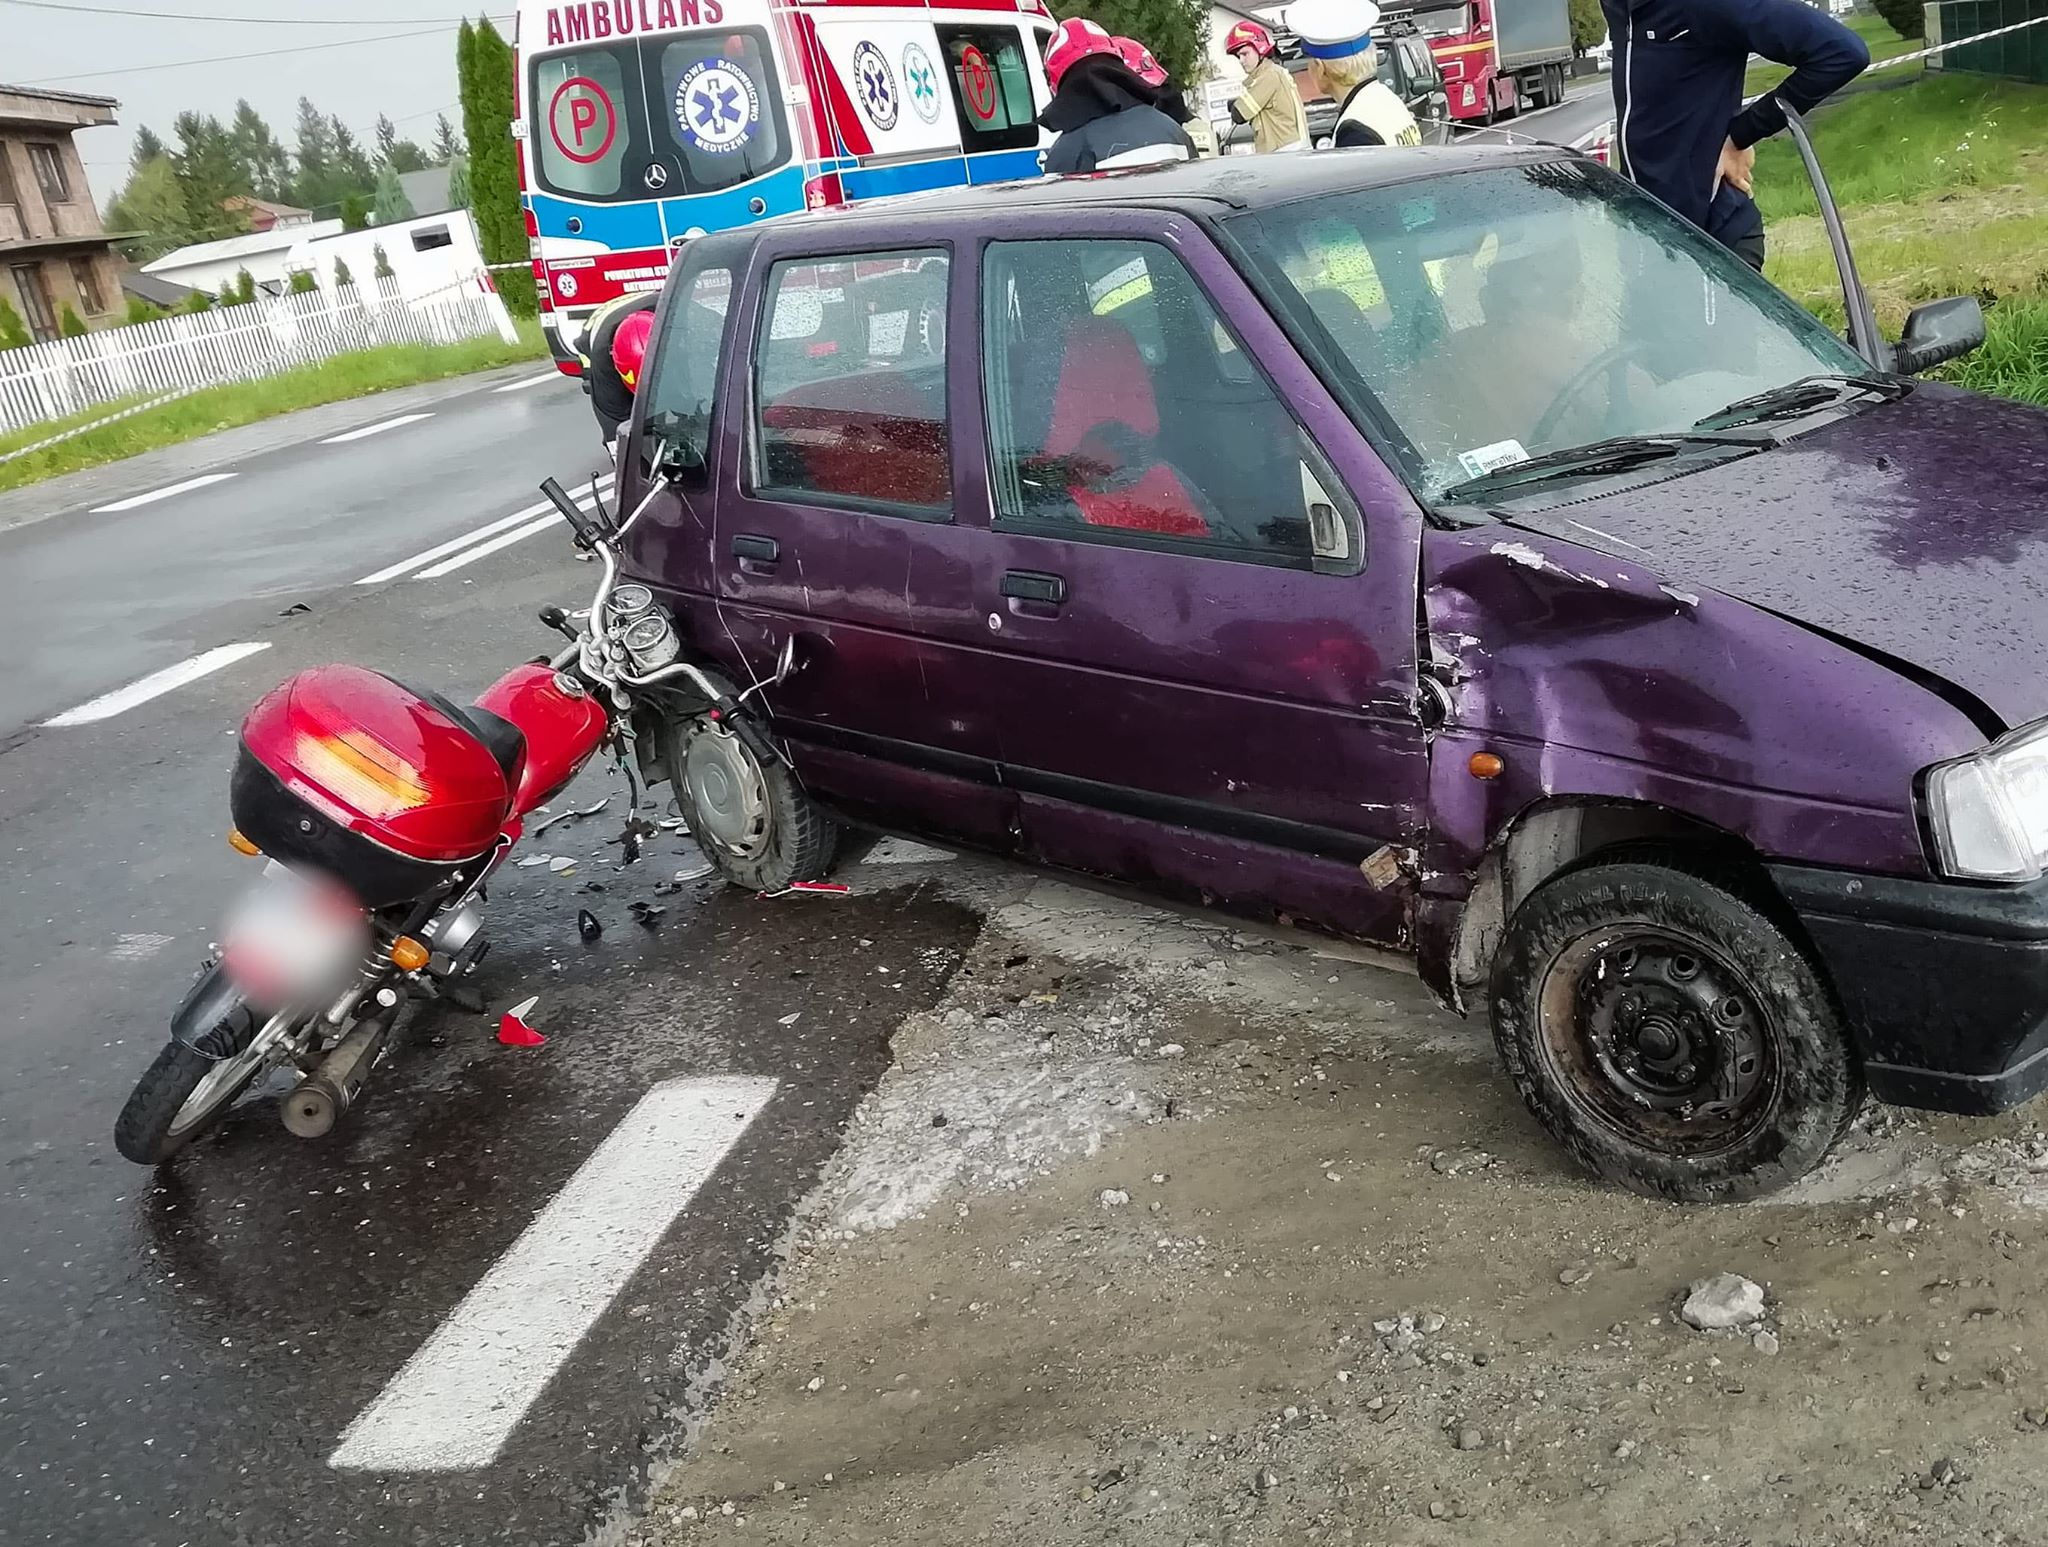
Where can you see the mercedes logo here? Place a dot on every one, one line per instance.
(656, 175)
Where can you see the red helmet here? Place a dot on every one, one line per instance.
(629, 346)
(1138, 60)
(1072, 42)
(1249, 34)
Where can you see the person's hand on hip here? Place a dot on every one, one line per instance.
(1736, 166)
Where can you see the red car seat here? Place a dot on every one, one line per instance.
(1105, 426)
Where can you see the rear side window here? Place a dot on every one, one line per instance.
(584, 107)
(686, 364)
(850, 381)
(1122, 408)
(991, 86)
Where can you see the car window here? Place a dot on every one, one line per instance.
(850, 380)
(687, 358)
(991, 87)
(1122, 407)
(1493, 316)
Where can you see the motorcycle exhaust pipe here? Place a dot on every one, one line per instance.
(317, 1102)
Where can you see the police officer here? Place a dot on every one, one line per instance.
(1344, 65)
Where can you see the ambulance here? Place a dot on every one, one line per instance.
(643, 123)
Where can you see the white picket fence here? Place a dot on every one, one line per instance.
(190, 351)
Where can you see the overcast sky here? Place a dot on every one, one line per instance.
(136, 60)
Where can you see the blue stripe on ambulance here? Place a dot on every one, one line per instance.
(877, 182)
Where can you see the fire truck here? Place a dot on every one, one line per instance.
(643, 123)
(1499, 56)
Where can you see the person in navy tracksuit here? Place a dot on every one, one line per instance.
(1681, 131)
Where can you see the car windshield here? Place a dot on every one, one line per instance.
(1492, 316)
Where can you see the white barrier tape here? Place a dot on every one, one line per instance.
(115, 418)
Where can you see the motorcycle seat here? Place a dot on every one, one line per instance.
(505, 741)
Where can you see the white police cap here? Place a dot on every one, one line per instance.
(1333, 29)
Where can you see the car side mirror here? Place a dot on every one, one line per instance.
(1938, 332)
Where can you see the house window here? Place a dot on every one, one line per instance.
(88, 282)
(7, 194)
(48, 160)
(427, 238)
(35, 301)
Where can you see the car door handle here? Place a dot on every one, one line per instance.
(1028, 585)
(762, 550)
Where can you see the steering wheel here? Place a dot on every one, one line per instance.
(1608, 362)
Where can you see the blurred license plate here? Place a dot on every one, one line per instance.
(294, 938)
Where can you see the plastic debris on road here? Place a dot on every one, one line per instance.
(513, 1030)
(587, 925)
(810, 889)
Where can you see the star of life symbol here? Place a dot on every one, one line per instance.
(716, 105)
(923, 81)
(876, 85)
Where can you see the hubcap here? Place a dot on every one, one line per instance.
(727, 791)
(1660, 1039)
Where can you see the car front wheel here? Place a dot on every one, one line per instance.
(1669, 1035)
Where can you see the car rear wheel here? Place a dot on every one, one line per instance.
(755, 823)
(1669, 1035)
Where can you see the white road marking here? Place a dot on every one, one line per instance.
(154, 495)
(374, 429)
(156, 684)
(454, 544)
(485, 550)
(458, 1399)
(531, 381)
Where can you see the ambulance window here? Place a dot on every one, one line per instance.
(991, 78)
(584, 105)
(722, 107)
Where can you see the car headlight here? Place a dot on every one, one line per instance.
(1988, 812)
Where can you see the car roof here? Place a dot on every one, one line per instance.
(1212, 186)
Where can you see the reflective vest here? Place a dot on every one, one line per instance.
(1372, 106)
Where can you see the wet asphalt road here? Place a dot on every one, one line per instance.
(179, 1355)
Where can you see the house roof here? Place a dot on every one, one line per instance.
(247, 245)
(153, 288)
(244, 201)
(426, 190)
(83, 98)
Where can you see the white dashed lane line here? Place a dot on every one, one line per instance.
(154, 495)
(531, 381)
(489, 535)
(156, 684)
(455, 1402)
(374, 429)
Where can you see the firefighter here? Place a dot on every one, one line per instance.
(611, 394)
(1106, 113)
(1344, 65)
(1269, 102)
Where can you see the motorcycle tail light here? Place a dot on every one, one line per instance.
(380, 760)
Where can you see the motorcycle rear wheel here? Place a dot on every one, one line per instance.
(179, 1097)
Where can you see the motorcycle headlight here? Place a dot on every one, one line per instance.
(1988, 812)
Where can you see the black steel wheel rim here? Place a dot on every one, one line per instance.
(1658, 1037)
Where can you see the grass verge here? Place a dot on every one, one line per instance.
(1944, 190)
(219, 408)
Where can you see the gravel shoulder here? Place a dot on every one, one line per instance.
(1161, 1232)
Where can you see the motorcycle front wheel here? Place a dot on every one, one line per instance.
(180, 1096)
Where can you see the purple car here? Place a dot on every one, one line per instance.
(1445, 548)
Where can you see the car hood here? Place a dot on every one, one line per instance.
(1918, 528)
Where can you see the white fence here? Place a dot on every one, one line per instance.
(191, 351)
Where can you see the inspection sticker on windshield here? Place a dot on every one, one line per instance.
(1481, 460)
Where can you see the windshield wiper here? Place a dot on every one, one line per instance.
(1802, 397)
(1618, 454)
